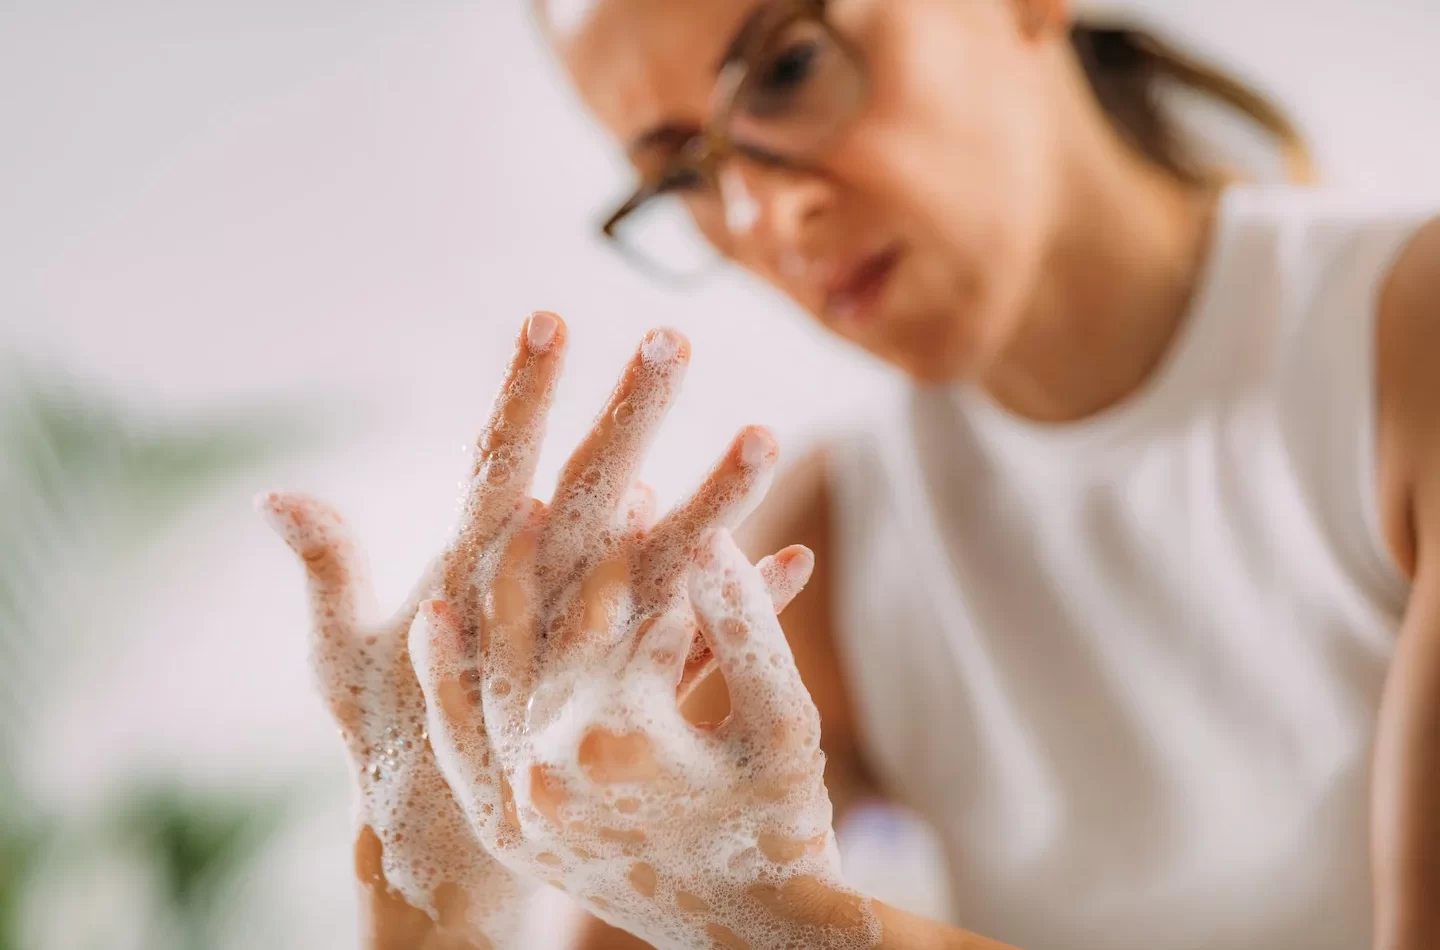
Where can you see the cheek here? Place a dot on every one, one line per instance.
(954, 140)
(972, 220)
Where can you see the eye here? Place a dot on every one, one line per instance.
(789, 70)
(797, 66)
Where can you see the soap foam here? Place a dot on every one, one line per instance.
(715, 837)
(428, 853)
(683, 837)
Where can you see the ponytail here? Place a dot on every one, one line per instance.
(1126, 69)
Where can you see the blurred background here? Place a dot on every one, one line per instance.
(265, 244)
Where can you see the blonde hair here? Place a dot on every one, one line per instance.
(1127, 68)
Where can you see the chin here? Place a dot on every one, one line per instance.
(930, 349)
(931, 369)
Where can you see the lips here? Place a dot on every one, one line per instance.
(854, 292)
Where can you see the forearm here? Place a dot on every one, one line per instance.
(1406, 793)
(387, 922)
(902, 931)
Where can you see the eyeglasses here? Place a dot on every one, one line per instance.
(791, 88)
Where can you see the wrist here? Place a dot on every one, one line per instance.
(900, 930)
(387, 920)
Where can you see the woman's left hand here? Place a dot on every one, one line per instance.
(576, 766)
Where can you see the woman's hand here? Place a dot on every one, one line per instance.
(550, 669)
(583, 773)
(426, 880)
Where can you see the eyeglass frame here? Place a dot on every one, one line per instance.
(707, 152)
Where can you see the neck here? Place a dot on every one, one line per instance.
(1116, 286)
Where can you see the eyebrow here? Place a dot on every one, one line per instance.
(673, 135)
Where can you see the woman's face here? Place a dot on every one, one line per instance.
(918, 230)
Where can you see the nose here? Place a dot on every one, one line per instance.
(777, 209)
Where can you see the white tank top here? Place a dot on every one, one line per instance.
(1130, 668)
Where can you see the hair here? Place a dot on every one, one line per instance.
(1127, 69)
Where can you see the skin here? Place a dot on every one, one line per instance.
(597, 509)
(530, 597)
(1405, 821)
(1045, 263)
(1010, 269)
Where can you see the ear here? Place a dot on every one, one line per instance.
(1038, 19)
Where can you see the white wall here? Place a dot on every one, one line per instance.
(355, 203)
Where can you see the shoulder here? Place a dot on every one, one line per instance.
(1408, 367)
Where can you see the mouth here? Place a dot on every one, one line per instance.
(854, 293)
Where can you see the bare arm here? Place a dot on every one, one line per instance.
(1405, 820)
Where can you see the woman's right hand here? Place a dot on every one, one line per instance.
(425, 880)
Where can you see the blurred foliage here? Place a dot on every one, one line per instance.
(82, 485)
(197, 846)
(21, 847)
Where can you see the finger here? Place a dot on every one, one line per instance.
(508, 447)
(510, 613)
(639, 508)
(590, 624)
(728, 494)
(445, 668)
(662, 644)
(737, 617)
(338, 589)
(598, 474)
(785, 574)
(699, 664)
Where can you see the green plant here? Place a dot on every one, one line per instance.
(82, 484)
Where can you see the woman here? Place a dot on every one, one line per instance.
(1131, 599)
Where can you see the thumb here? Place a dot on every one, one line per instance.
(736, 610)
(785, 574)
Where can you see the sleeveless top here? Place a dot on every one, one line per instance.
(1130, 668)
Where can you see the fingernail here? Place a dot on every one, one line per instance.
(661, 346)
(799, 563)
(757, 447)
(540, 331)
